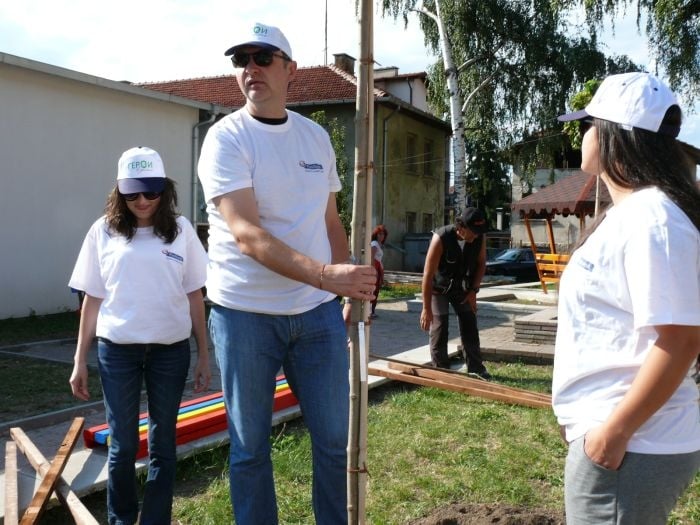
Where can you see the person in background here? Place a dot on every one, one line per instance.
(142, 269)
(379, 236)
(454, 266)
(278, 259)
(629, 315)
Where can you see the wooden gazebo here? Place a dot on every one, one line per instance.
(572, 195)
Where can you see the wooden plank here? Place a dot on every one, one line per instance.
(553, 257)
(550, 234)
(461, 380)
(496, 396)
(551, 266)
(11, 484)
(41, 497)
(65, 495)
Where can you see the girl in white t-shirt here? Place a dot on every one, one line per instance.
(379, 235)
(629, 315)
(142, 269)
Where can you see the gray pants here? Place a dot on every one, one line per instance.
(643, 491)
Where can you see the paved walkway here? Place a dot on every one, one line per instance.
(394, 333)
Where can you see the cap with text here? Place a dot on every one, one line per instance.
(140, 170)
(262, 35)
(632, 100)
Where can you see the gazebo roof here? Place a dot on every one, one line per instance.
(572, 195)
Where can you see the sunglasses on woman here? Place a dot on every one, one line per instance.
(584, 125)
(262, 58)
(148, 195)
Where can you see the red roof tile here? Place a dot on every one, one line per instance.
(312, 84)
(574, 194)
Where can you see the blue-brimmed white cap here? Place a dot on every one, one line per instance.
(262, 35)
(140, 170)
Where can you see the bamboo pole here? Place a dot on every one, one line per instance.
(360, 237)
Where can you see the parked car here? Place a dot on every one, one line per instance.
(514, 262)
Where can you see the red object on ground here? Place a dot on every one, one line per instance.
(193, 428)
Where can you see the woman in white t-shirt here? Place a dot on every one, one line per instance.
(142, 269)
(379, 235)
(629, 315)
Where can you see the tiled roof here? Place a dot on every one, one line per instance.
(311, 84)
(572, 195)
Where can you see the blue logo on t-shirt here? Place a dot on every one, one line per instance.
(173, 256)
(311, 166)
(586, 265)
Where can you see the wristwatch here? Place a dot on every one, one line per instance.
(475, 290)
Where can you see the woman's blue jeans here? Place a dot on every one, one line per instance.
(312, 348)
(123, 369)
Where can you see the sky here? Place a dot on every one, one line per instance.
(155, 40)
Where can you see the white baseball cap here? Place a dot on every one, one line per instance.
(638, 100)
(262, 35)
(140, 170)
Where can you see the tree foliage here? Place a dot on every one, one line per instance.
(673, 30)
(533, 66)
(579, 101)
(337, 135)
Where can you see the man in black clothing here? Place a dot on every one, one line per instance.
(454, 266)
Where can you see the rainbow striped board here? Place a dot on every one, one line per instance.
(196, 418)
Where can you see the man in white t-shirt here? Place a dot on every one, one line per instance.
(277, 250)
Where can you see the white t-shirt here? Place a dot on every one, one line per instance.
(379, 253)
(143, 283)
(639, 269)
(291, 168)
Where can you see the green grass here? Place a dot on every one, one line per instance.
(38, 327)
(398, 291)
(427, 448)
(29, 387)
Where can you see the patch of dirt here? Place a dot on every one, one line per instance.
(461, 514)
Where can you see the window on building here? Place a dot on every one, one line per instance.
(428, 159)
(410, 222)
(411, 153)
(427, 222)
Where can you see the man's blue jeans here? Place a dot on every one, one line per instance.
(312, 349)
(123, 369)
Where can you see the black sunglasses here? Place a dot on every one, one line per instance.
(262, 58)
(584, 125)
(149, 195)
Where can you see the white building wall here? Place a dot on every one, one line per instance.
(60, 139)
(410, 90)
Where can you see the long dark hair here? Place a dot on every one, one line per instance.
(637, 158)
(122, 221)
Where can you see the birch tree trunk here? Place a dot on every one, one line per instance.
(458, 159)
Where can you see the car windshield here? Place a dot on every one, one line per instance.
(508, 255)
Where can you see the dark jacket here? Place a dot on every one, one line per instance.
(456, 264)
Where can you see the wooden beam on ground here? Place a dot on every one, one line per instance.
(449, 380)
(479, 384)
(11, 492)
(48, 483)
(65, 495)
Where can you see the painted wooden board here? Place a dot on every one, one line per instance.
(197, 418)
